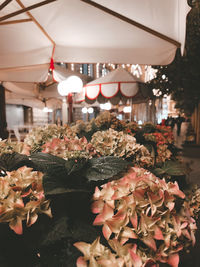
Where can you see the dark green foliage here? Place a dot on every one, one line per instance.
(75, 175)
(75, 165)
(10, 162)
(149, 128)
(181, 77)
(104, 168)
(46, 162)
(172, 168)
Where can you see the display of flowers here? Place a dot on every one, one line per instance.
(162, 141)
(139, 207)
(81, 127)
(40, 135)
(69, 148)
(7, 146)
(159, 138)
(193, 198)
(131, 128)
(22, 198)
(96, 254)
(163, 153)
(113, 143)
(145, 220)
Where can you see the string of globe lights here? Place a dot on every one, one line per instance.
(101, 69)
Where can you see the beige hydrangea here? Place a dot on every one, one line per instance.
(113, 143)
(7, 146)
(40, 135)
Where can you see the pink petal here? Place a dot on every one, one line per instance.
(123, 240)
(97, 206)
(150, 242)
(186, 233)
(120, 215)
(193, 238)
(137, 262)
(167, 240)
(19, 203)
(81, 262)
(134, 220)
(83, 247)
(16, 226)
(97, 193)
(105, 215)
(32, 219)
(183, 225)
(129, 233)
(173, 260)
(174, 189)
(170, 205)
(106, 231)
(25, 194)
(158, 233)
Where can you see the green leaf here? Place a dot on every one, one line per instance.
(75, 165)
(158, 171)
(151, 150)
(104, 168)
(46, 162)
(58, 181)
(172, 168)
(10, 162)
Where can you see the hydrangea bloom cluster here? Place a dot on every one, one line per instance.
(113, 143)
(141, 207)
(22, 198)
(69, 148)
(40, 135)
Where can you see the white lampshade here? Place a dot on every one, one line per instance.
(127, 109)
(73, 84)
(90, 110)
(45, 109)
(84, 110)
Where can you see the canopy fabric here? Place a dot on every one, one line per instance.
(23, 92)
(37, 73)
(76, 31)
(109, 85)
(117, 85)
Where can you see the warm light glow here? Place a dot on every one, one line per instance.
(136, 70)
(84, 110)
(90, 110)
(127, 109)
(157, 92)
(73, 84)
(45, 109)
(106, 106)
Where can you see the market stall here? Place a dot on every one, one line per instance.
(115, 191)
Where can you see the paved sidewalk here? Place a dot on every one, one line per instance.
(190, 154)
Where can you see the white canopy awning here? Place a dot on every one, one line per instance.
(128, 31)
(27, 92)
(117, 84)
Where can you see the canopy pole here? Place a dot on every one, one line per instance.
(4, 4)
(25, 9)
(36, 22)
(15, 21)
(3, 123)
(133, 22)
